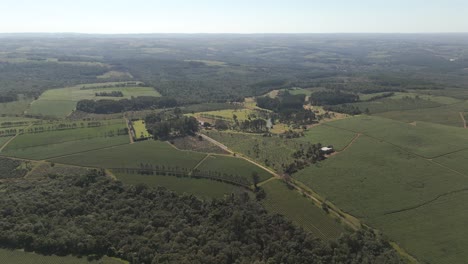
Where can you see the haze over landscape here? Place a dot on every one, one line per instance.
(212, 132)
(241, 16)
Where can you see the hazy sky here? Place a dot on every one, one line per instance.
(233, 16)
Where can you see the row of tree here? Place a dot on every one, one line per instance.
(118, 106)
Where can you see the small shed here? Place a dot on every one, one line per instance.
(327, 150)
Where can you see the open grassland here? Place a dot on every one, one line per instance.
(445, 115)
(21, 257)
(51, 108)
(4, 140)
(61, 102)
(425, 139)
(140, 130)
(14, 108)
(233, 166)
(134, 155)
(202, 188)
(457, 160)
(300, 210)
(398, 193)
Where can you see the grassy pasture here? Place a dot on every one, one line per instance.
(14, 108)
(140, 130)
(203, 188)
(4, 140)
(425, 139)
(61, 102)
(299, 210)
(234, 166)
(133, 155)
(194, 144)
(328, 136)
(21, 257)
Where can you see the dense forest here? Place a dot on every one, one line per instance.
(95, 216)
(106, 106)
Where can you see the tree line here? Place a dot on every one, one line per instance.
(106, 106)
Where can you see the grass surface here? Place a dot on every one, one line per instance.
(234, 166)
(61, 102)
(203, 188)
(300, 210)
(140, 130)
(14, 108)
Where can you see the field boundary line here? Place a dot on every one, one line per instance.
(127, 123)
(198, 164)
(11, 139)
(306, 191)
(463, 119)
(84, 151)
(425, 203)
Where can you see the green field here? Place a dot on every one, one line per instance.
(140, 130)
(379, 183)
(425, 139)
(61, 102)
(203, 188)
(133, 155)
(242, 114)
(275, 151)
(233, 166)
(21, 257)
(14, 108)
(56, 143)
(300, 210)
(445, 115)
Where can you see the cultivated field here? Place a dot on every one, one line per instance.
(134, 155)
(426, 139)
(203, 188)
(300, 210)
(398, 193)
(63, 138)
(14, 108)
(195, 144)
(233, 166)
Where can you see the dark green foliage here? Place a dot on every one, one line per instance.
(111, 94)
(167, 125)
(94, 215)
(332, 98)
(344, 108)
(133, 104)
(11, 168)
